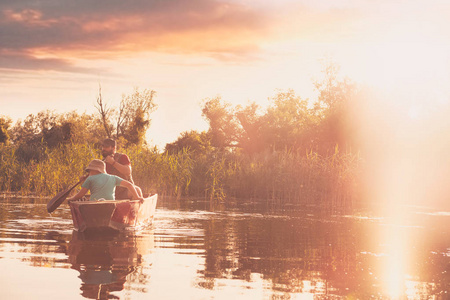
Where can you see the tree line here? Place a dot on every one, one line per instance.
(294, 151)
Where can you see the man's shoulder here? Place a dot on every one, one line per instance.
(122, 158)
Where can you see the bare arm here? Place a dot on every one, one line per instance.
(79, 195)
(131, 188)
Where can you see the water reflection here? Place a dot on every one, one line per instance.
(340, 257)
(287, 255)
(107, 262)
(198, 254)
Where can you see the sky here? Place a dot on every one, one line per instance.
(55, 54)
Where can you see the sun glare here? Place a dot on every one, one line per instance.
(397, 64)
(394, 269)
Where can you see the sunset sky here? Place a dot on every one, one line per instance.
(55, 54)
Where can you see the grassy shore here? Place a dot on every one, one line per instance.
(281, 177)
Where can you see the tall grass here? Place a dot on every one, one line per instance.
(162, 173)
(9, 168)
(62, 167)
(282, 177)
(293, 178)
(59, 168)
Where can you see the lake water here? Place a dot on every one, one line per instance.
(237, 253)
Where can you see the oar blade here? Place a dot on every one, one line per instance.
(56, 201)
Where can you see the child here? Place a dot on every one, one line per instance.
(102, 185)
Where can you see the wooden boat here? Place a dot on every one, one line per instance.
(113, 215)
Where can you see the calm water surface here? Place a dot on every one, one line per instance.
(193, 253)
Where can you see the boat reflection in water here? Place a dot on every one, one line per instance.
(107, 262)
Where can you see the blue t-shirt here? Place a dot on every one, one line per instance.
(102, 186)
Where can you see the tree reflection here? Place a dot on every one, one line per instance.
(107, 262)
(334, 256)
(291, 255)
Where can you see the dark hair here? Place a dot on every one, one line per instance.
(109, 142)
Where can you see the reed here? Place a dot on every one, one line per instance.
(293, 178)
(215, 177)
(60, 167)
(9, 167)
(162, 173)
(145, 163)
(278, 177)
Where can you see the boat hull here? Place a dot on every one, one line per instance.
(115, 215)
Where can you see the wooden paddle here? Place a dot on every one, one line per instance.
(59, 198)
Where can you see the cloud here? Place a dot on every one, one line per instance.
(105, 28)
(54, 34)
(23, 61)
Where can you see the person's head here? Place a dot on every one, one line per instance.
(108, 147)
(96, 166)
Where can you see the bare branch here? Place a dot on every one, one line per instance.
(120, 118)
(104, 112)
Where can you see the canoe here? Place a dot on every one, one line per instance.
(113, 215)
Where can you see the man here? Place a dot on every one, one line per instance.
(118, 164)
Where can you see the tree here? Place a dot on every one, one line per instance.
(5, 123)
(58, 134)
(28, 136)
(85, 128)
(223, 128)
(132, 117)
(328, 88)
(252, 136)
(332, 109)
(193, 141)
(49, 130)
(136, 115)
(105, 113)
(32, 127)
(288, 122)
